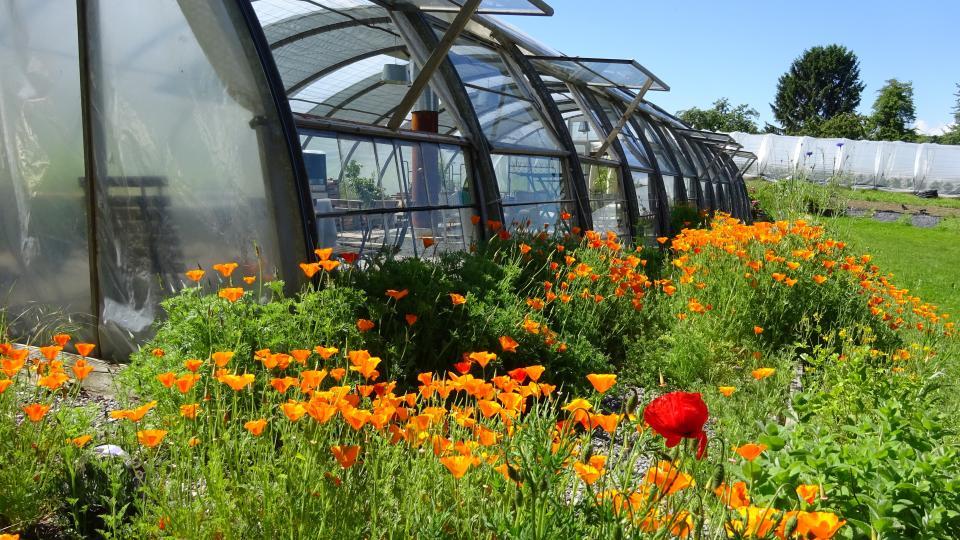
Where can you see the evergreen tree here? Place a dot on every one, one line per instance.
(822, 83)
(894, 112)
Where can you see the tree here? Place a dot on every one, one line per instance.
(845, 125)
(722, 117)
(822, 83)
(893, 112)
(952, 136)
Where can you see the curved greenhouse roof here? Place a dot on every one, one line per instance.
(138, 140)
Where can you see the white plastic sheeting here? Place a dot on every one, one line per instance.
(890, 165)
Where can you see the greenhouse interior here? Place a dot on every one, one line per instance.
(142, 139)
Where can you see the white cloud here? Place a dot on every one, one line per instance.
(924, 128)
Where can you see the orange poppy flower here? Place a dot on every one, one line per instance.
(310, 269)
(186, 381)
(734, 496)
(61, 339)
(255, 427)
(750, 451)
(508, 344)
(411, 319)
(222, 358)
(762, 373)
(458, 299)
(80, 441)
(602, 382)
(525, 249)
(81, 369)
(329, 266)
(338, 373)
(427, 241)
(301, 355)
(195, 275)
(668, 478)
(727, 391)
(249, 280)
(193, 442)
(607, 422)
(819, 525)
(231, 294)
(819, 280)
(482, 357)
(587, 472)
(365, 325)
(238, 382)
(133, 415)
(475, 219)
(51, 352)
(36, 411)
(53, 381)
(346, 455)
(349, 258)
(151, 437)
(325, 352)
(84, 349)
(4, 384)
(565, 216)
(534, 372)
(226, 269)
(157, 353)
(192, 364)
(457, 465)
(190, 411)
(809, 492)
(293, 411)
(397, 295)
(531, 326)
(757, 330)
(284, 384)
(323, 254)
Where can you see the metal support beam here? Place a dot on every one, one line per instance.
(615, 132)
(429, 67)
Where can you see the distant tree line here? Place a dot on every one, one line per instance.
(818, 97)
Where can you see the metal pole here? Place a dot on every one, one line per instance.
(429, 67)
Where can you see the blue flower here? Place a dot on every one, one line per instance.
(809, 154)
(839, 145)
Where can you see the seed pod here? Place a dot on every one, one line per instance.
(514, 474)
(717, 479)
(791, 526)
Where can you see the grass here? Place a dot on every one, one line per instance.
(874, 195)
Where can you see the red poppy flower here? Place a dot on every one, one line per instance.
(677, 416)
(462, 367)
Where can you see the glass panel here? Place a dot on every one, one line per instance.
(606, 199)
(44, 271)
(533, 216)
(507, 117)
(658, 148)
(529, 179)
(635, 153)
(190, 139)
(687, 168)
(368, 206)
(597, 72)
(641, 183)
(493, 7)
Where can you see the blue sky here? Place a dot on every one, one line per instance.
(706, 49)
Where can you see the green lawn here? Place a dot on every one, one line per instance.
(927, 261)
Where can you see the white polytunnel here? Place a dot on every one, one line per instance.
(142, 139)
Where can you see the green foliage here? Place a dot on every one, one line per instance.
(845, 125)
(722, 116)
(893, 111)
(886, 455)
(797, 196)
(822, 83)
(687, 216)
(953, 135)
(362, 187)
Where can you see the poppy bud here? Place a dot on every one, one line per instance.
(587, 452)
(791, 526)
(717, 479)
(632, 402)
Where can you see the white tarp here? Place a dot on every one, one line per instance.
(879, 164)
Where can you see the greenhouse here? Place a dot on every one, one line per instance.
(142, 139)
